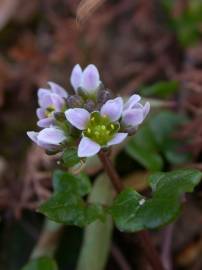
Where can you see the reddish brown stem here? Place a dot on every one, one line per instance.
(145, 239)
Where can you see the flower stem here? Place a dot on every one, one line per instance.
(145, 239)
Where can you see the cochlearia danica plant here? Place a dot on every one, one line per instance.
(90, 122)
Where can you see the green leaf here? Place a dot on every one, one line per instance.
(187, 25)
(142, 147)
(43, 263)
(66, 206)
(161, 89)
(70, 157)
(156, 140)
(163, 127)
(66, 182)
(132, 212)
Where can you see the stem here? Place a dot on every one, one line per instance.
(166, 249)
(145, 239)
(97, 235)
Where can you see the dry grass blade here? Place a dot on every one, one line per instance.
(7, 10)
(86, 8)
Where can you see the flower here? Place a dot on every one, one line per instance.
(50, 101)
(99, 128)
(48, 138)
(134, 112)
(89, 116)
(88, 79)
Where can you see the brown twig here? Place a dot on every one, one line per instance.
(120, 259)
(146, 242)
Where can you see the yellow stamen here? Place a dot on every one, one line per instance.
(97, 133)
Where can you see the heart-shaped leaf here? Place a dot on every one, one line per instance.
(132, 212)
(66, 206)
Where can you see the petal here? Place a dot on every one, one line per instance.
(57, 89)
(78, 117)
(33, 136)
(42, 91)
(45, 100)
(45, 122)
(133, 117)
(88, 148)
(52, 136)
(132, 101)
(146, 109)
(58, 102)
(76, 76)
(113, 108)
(118, 138)
(90, 78)
(40, 113)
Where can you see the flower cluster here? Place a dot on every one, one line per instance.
(90, 119)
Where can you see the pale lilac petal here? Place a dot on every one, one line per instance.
(133, 117)
(45, 122)
(78, 117)
(42, 91)
(137, 106)
(90, 78)
(45, 100)
(113, 108)
(88, 148)
(118, 138)
(146, 109)
(33, 135)
(52, 136)
(132, 101)
(57, 89)
(76, 77)
(57, 102)
(40, 113)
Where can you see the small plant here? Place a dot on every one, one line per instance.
(87, 123)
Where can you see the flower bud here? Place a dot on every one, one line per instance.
(90, 105)
(74, 101)
(103, 96)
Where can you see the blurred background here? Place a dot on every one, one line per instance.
(150, 47)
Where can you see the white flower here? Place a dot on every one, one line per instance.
(88, 79)
(48, 138)
(50, 101)
(134, 112)
(100, 129)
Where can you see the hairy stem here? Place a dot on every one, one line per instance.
(145, 239)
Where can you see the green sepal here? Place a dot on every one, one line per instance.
(70, 157)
